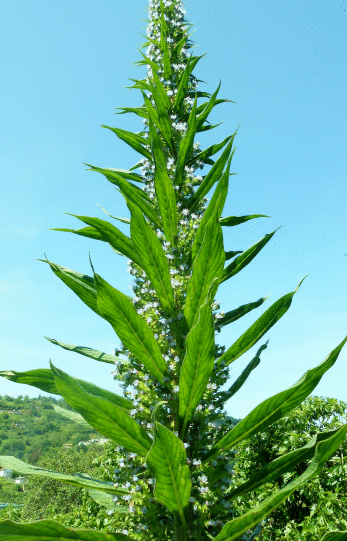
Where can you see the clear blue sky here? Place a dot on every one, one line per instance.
(64, 68)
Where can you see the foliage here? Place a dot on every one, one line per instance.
(31, 429)
(47, 497)
(172, 434)
(320, 505)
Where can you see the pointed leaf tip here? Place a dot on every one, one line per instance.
(299, 284)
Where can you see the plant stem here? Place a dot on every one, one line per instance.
(181, 533)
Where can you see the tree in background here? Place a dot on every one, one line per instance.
(45, 498)
(176, 446)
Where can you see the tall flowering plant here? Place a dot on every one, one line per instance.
(172, 427)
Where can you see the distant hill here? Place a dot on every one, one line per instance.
(30, 428)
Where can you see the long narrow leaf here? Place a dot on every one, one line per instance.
(128, 175)
(159, 117)
(46, 530)
(236, 220)
(235, 528)
(231, 254)
(246, 257)
(164, 190)
(207, 267)
(89, 232)
(135, 141)
(241, 311)
(281, 465)
(161, 91)
(186, 146)
(168, 461)
(81, 284)
(112, 235)
(28, 469)
(197, 366)
(212, 176)
(210, 151)
(104, 416)
(152, 257)
(246, 372)
(259, 327)
(131, 192)
(274, 408)
(131, 328)
(184, 81)
(206, 111)
(139, 111)
(216, 205)
(43, 379)
(88, 352)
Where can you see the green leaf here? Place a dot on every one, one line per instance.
(161, 91)
(135, 141)
(324, 450)
(184, 81)
(47, 530)
(335, 536)
(132, 193)
(140, 84)
(106, 500)
(207, 127)
(186, 146)
(112, 235)
(197, 366)
(210, 151)
(281, 465)
(128, 175)
(212, 176)
(207, 267)
(164, 189)
(88, 352)
(246, 372)
(72, 416)
(168, 461)
(89, 232)
(246, 257)
(152, 258)
(131, 328)
(123, 220)
(236, 220)
(216, 205)
(23, 468)
(104, 416)
(159, 117)
(259, 327)
(146, 62)
(43, 379)
(241, 311)
(81, 284)
(230, 255)
(204, 106)
(274, 408)
(139, 111)
(206, 111)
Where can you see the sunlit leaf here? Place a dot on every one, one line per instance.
(259, 327)
(274, 408)
(168, 461)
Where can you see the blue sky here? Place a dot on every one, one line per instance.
(64, 69)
